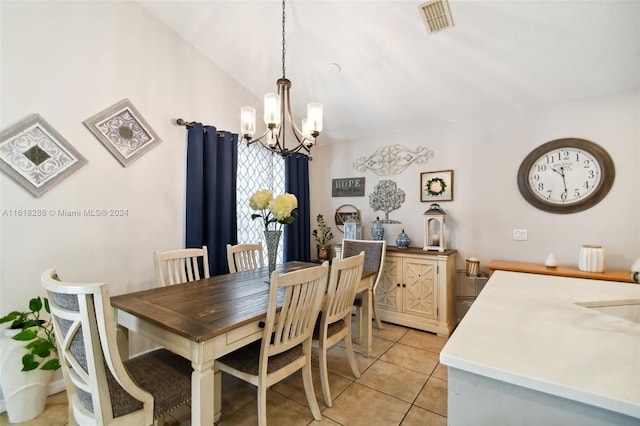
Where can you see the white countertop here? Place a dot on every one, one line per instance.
(528, 330)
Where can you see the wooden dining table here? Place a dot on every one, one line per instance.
(205, 319)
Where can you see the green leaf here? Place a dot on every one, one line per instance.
(29, 323)
(35, 304)
(52, 364)
(25, 335)
(46, 305)
(10, 317)
(28, 363)
(40, 347)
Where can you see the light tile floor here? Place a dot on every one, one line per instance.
(402, 383)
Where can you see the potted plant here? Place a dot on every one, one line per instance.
(323, 236)
(28, 357)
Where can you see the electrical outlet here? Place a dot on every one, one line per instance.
(520, 234)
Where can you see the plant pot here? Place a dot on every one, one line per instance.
(25, 392)
(324, 252)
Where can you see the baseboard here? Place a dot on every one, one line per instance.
(55, 386)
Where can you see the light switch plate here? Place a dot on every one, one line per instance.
(520, 234)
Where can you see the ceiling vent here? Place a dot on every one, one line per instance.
(436, 15)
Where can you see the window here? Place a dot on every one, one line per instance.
(257, 169)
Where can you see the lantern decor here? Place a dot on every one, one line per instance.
(352, 229)
(434, 229)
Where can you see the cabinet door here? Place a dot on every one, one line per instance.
(389, 291)
(420, 293)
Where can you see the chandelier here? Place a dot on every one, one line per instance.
(277, 110)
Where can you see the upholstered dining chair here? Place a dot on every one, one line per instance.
(285, 346)
(243, 257)
(180, 266)
(374, 255)
(102, 388)
(334, 322)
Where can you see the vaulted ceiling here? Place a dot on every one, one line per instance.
(499, 56)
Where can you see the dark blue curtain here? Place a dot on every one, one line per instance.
(297, 236)
(212, 159)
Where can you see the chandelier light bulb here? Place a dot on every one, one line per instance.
(272, 109)
(307, 131)
(314, 116)
(248, 121)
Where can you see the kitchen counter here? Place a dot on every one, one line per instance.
(533, 349)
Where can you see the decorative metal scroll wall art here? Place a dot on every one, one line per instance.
(123, 131)
(386, 196)
(392, 160)
(36, 156)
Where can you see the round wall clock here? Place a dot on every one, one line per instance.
(566, 175)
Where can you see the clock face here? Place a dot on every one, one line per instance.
(566, 175)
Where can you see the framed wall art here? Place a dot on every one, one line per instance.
(36, 156)
(436, 186)
(123, 131)
(347, 187)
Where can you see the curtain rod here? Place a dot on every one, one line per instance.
(181, 122)
(190, 124)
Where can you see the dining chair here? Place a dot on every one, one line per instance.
(180, 266)
(374, 255)
(285, 346)
(242, 257)
(334, 322)
(102, 388)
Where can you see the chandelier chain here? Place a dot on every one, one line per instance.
(283, 41)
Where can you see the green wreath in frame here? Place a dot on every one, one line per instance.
(435, 186)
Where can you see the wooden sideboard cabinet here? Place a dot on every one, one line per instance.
(417, 289)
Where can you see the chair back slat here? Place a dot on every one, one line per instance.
(303, 293)
(244, 257)
(181, 266)
(341, 291)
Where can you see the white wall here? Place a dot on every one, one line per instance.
(68, 61)
(485, 154)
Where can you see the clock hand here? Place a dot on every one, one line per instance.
(561, 174)
(564, 181)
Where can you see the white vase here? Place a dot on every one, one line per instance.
(25, 392)
(551, 261)
(591, 258)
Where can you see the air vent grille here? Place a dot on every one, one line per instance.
(436, 15)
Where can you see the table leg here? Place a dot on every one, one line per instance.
(366, 339)
(122, 337)
(203, 391)
(122, 340)
(365, 333)
(367, 311)
(217, 394)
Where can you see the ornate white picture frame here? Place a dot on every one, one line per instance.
(123, 131)
(436, 186)
(36, 156)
